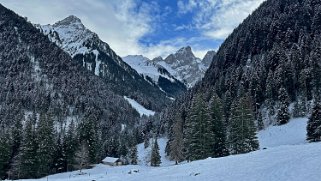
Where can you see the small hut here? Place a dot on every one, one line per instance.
(111, 161)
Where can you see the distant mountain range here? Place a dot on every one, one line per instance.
(182, 65)
(137, 77)
(96, 56)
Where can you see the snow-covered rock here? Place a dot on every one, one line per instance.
(181, 66)
(156, 74)
(184, 66)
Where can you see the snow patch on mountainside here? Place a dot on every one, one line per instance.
(145, 67)
(293, 133)
(140, 109)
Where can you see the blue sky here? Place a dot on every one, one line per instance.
(148, 27)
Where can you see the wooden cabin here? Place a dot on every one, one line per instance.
(111, 161)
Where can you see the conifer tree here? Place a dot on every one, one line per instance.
(283, 115)
(146, 141)
(45, 140)
(199, 131)
(5, 153)
(176, 145)
(242, 138)
(219, 128)
(133, 155)
(299, 108)
(88, 134)
(82, 157)
(28, 162)
(314, 124)
(260, 124)
(70, 144)
(59, 161)
(17, 135)
(155, 160)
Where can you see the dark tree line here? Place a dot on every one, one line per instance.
(205, 132)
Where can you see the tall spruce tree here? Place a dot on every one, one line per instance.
(155, 160)
(89, 136)
(28, 162)
(242, 138)
(314, 124)
(5, 153)
(46, 144)
(70, 144)
(59, 159)
(199, 131)
(176, 145)
(219, 129)
(283, 115)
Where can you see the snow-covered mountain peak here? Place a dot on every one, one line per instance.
(183, 56)
(155, 74)
(158, 59)
(70, 34)
(185, 66)
(72, 19)
(185, 51)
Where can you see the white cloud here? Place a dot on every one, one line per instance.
(217, 18)
(186, 7)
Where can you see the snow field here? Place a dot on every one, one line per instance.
(286, 157)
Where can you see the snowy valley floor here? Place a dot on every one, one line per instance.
(286, 157)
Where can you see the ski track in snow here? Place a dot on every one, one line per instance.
(287, 157)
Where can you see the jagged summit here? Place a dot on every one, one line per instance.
(185, 50)
(184, 66)
(70, 34)
(71, 19)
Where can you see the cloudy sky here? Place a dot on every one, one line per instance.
(148, 27)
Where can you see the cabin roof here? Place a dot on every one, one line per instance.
(110, 159)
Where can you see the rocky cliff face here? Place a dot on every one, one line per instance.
(185, 66)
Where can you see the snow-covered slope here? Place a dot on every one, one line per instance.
(287, 157)
(156, 74)
(184, 66)
(69, 34)
(144, 154)
(293, 133)
(139, 108)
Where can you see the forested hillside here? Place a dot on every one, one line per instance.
(266, 71)
(55, 115)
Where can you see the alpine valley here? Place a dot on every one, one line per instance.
(72, 109)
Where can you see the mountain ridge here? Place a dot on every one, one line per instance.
(97, 56)
(182, 65)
